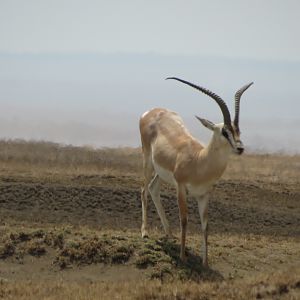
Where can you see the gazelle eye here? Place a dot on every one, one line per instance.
(225, 133)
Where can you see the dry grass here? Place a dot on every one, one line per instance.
(45, 158)
(67, 159)
(264, 167)
(280, 285)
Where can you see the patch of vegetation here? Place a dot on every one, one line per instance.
(32, 242)
(149, 254)
(102, 249)
(36, 248)
(26, 236)
(6, 250)
(121, 254)
(158, 257)
(86, 252)
(161, 271)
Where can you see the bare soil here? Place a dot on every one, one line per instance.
(113, 202)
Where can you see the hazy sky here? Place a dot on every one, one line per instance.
(266, 29)
(82, 72)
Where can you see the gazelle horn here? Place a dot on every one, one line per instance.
(237, 97)
(218, 99)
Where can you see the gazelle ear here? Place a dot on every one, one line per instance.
(208, 124)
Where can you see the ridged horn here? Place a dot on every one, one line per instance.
(237, 97)
(218, 99)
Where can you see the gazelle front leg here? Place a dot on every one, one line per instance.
(181, 197)
(203, 211)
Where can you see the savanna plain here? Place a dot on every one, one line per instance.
(70, 222)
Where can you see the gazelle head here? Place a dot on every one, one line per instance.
(228, 131)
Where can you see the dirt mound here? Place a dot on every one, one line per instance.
(236, 207)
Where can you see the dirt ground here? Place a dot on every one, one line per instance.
(78, 233)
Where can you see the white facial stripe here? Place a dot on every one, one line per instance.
(235, 144)
(232, 141)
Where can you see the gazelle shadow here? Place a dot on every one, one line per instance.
(192, 269)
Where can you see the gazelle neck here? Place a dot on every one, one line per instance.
(217, 153)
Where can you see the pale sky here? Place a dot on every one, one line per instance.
(82, 72)
(257, 29)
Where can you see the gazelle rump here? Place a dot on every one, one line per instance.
(173, 155)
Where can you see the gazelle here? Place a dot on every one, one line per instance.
(173, 155)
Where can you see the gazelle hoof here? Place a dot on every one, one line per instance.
(145, 235)
(183, 258)
(205, 264)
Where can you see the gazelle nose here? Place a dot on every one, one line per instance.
(240, 150)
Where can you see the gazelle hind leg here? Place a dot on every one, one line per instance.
(203, 211)
(154, 189)
(144, 199)
(148, 170)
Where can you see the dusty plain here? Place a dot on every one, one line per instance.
(70, 222)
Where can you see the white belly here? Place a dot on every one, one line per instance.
(164, 174)
(199, 190)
